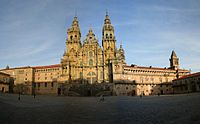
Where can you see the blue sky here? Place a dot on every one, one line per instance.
(33, 32)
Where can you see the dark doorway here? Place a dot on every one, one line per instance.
(2, 89)
(133, 93)
(161, 92)
(59, 91)
(89, 92)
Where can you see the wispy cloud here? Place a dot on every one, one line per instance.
(21, 52)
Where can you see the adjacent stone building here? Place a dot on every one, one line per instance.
(87, 62)
(5, 83)
(188, 83)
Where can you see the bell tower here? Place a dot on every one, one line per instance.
(73, 45)
(108, 40)
(174, 61)
(73, 42)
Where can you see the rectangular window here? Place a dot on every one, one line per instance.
(45, 84)
(38, 84)
(21, 71)
(52, 84)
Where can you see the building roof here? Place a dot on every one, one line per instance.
(16, 68)
(47, 66)
(34, 67)
(150, 67)
(4, 74)
(153, 68)
(188, 76)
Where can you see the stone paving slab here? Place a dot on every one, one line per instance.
(171, 109)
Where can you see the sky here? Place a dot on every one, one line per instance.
(33, 32)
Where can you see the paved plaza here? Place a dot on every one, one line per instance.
(172, 109)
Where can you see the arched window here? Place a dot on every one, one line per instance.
(91, 74)
(90, 54)
(81, 74)
(106, 35)
(160, 80)
(110, 35)
(71, 37)
(90, 62)
(101, 75)
(81, 63)
(141, 80)
(166, 79)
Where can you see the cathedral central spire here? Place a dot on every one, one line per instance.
(90, 35)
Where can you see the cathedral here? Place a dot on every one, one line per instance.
(88, 63)
(89, 60)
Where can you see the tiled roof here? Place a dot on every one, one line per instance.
(16, 68)
(47, 66)
(4, 74)
(153, 68)
(142, 67)
(35, 67)
(188, 76)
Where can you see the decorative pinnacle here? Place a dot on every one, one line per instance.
(75, 13)
(75, 22)
(107, 19)
(173, 54)
(90, 30)
(106, 12)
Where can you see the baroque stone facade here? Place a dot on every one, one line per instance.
(87, 62)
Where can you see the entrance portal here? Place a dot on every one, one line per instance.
(59, 91)
(91, 77)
